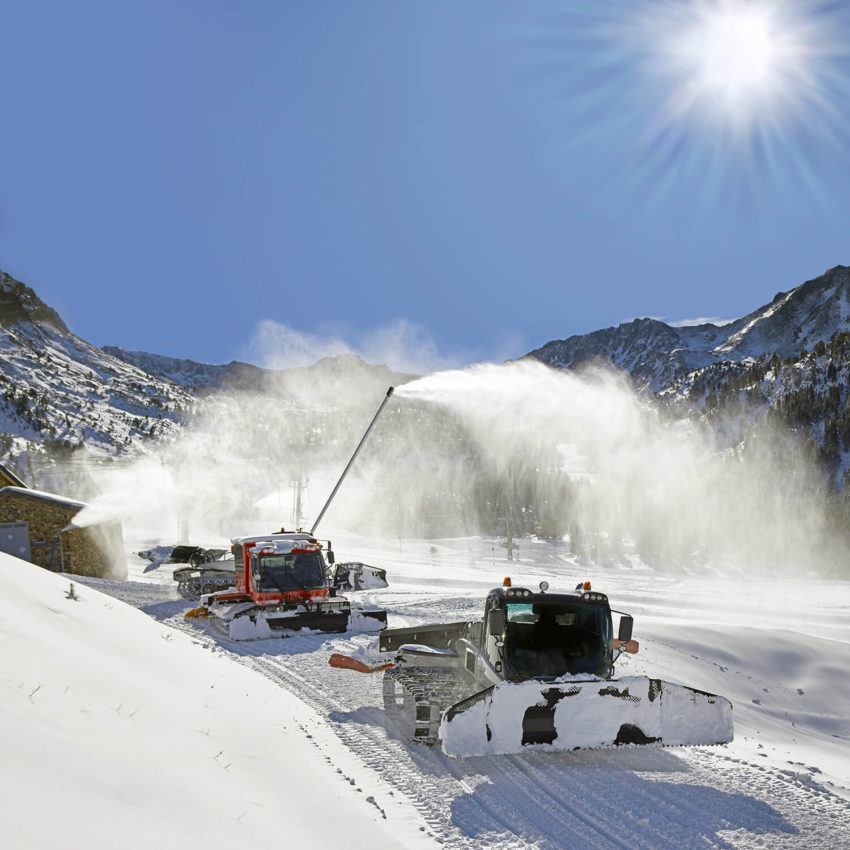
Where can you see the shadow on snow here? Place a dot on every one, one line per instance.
(587, 799)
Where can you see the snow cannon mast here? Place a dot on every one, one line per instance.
(283, 583)
(351, 462)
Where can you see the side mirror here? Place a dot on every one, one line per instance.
(496, 621)
(625, 631)
(331, 557)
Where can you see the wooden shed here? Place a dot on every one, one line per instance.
(44, 521)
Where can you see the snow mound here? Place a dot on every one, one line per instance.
(115, 726)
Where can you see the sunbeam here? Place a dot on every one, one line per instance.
(731, 98)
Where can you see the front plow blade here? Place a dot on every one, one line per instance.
(367, 620)
(584, 715)
(332, 617)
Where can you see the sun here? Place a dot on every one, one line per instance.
(735, 97)
(737, 61)
(741, 64)
(736, 52)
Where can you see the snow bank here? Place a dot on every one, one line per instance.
(114, 728)
(790, 690)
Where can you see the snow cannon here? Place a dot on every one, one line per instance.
(284, 584)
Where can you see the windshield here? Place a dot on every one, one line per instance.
(292, 571)
(546, 640)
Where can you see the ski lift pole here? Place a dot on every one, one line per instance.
(353, 457)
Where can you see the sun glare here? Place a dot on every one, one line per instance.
(736, 97)
(753, 74)
(736, 53)
(735, 58)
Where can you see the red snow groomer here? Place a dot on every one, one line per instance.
(283, 584)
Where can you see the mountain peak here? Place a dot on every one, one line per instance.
(657, 354)
(18, 303)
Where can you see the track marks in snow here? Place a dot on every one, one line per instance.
(640, 798)
(627, 798)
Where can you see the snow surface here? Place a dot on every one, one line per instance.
(144, 725)
(117, 729)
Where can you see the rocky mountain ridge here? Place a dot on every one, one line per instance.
(658, 355)
(19, 303)
(60, 396)
(787, 362)
(65, 402)
(190, 374)
(57, 391)
(236, 376)
(788, 357)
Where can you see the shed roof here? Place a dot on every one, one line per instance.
(40, 496)
(5, 472)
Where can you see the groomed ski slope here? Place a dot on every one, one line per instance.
(777, 649)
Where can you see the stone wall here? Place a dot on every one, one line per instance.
(96, 550)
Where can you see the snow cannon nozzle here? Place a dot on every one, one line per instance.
(390, 391)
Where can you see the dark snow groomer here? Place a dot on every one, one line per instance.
(283, 584)
(538, 669)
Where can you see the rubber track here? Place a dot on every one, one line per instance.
(431, 692)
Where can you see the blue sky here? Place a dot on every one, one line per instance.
(426, 182)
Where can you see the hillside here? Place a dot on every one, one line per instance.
(328, 377)
(454, 456)
(190, 374)
(110, 719)
(58, 392)
(67, 406)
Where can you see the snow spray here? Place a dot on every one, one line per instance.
(670, 491)
(519, 448)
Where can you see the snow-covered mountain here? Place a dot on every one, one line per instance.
(789, 360)
(57, 389)
(66, 405)
(189, 373)
(658, 355)
(334, 372)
